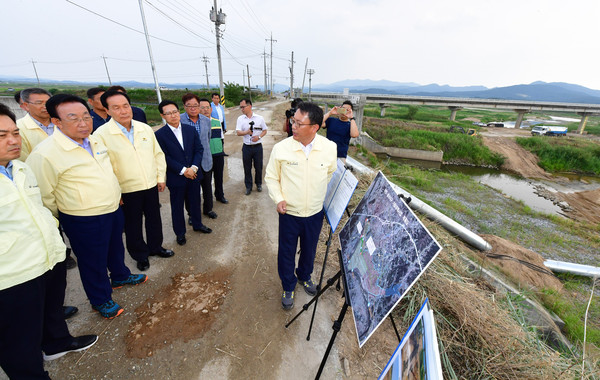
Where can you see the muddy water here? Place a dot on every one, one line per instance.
(516, 187)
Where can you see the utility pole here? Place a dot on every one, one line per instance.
(205, 60)
(244, 79)
(106, 67)
(150, 53)
(310, 73)
(36, 74)
(292, 78)
(265, 69)
(249, 87)
(271, 78)
(304, 77)
(218, 19)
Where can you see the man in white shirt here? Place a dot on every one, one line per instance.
(253, 128)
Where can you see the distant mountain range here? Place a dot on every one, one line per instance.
(536, 91)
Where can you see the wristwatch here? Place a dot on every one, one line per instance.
(352, 118)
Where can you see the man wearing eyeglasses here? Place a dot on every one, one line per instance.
(195, 116)
(77, 183)
(297, 175)
(183, 151)
(36, 126)
(139, 164)
(253, 128)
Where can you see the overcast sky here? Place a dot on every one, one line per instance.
(459, 43)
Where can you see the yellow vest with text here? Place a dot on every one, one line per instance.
(71, 180)
(298, 180)
(30, 243)
(139, 166)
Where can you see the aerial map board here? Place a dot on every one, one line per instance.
(385, 249)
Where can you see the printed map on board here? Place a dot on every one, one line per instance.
(385, 249)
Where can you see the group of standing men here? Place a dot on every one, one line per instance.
(54, 171)
(98, 185)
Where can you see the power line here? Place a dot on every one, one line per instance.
(193, 20)
(134, 30)
(245, 4)
(177, 22)
(246, 21)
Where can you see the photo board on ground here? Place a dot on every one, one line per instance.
(339, 191)
(417, 356)
(385, 249)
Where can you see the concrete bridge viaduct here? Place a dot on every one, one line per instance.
(521, 107)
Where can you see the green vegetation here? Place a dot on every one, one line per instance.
(560, 154)
(572, 309)
(457, 147)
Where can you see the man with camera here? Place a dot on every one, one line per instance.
(342, 128)
(253, 128)
(289, 117)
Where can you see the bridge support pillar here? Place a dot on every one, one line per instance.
(520, 114)
(359, 111)
(453, 110)
(383, 106)
(583, 122)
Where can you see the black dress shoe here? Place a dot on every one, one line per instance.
(181, 240)
(69, 311)
(70, 262)
(248, 191)
(223, 200)
(163, 253)
(258, 188)
(143, 264)
(203, 229)
(190, 221)
(211, 214)
(78, 343)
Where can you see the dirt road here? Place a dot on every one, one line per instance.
(580, 205)
(213, 310)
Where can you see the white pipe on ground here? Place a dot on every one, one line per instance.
(579, 269)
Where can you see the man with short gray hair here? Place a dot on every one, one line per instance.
(36, 125)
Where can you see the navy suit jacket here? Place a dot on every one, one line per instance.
(178, 158)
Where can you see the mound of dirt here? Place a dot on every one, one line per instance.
(583, 205)
(518, 160)
(183, 310)
(512, 264)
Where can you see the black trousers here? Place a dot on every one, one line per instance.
(136, 205)
(32, 320)
(206, 184)
(218, 167)
(252, 155)
(187, 194)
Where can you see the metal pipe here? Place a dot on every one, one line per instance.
(579, 269)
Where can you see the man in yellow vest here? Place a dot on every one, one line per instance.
(140, 166)
(32, 269)
(77, 184)
(36, 126)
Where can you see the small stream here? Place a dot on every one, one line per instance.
(514, 186)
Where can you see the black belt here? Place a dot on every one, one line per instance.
(259, 144)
